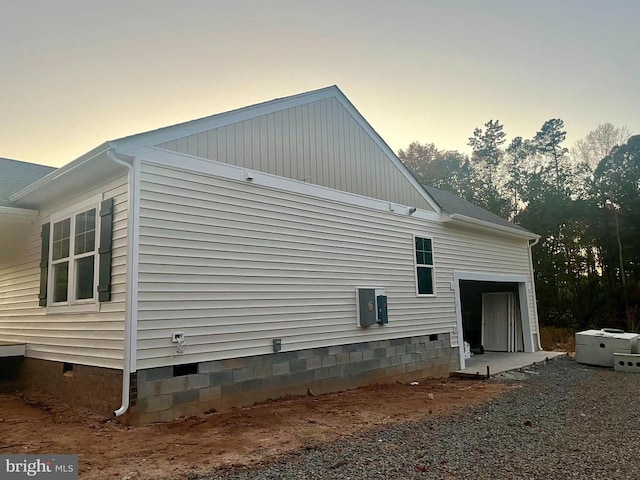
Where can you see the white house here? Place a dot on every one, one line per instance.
(250, 254)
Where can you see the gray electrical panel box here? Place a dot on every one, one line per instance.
(367, 306)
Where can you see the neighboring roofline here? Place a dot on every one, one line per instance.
(64, 170)
(484, 225)
(32, 164)
(18, 215)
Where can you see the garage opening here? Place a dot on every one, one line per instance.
(495, 312)
(491, 316)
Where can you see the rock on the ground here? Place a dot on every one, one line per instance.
(560, 420)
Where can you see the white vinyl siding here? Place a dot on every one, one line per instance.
(469, 250)
(233, 265)
(319, 142)
(94, 338)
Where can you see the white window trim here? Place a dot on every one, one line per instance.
(74, 306)
(416, 265)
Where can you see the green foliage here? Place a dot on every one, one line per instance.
(517, 153)
(448, 170)
(587, 263)
(548, 141)
(487, 144)
(599, 143)
(487, 155)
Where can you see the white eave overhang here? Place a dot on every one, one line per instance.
(489, 227)
(84, 173)
(17, 215)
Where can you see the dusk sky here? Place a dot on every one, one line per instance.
(74, 73)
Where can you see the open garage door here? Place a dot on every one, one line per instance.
(493, 313)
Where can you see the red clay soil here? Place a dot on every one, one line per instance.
(36, 423)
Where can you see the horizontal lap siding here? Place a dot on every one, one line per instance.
(233, 265)
(84, 338)
(320, 143)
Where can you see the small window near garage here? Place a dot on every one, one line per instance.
(424, 266)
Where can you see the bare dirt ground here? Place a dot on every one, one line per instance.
(36, 423)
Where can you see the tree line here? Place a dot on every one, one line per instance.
(584, 202)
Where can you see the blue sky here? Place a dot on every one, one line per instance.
(76, 73)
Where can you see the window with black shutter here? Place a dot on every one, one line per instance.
(75, 266)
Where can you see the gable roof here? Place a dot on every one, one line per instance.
(454, 206)
(16, 175)
(27, 186)
(128, 146)
(190, 133)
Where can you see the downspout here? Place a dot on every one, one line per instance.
(533, 287)
(129, 351)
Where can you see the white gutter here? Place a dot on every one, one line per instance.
(484, 225)
(131, 313)
(55, 174)
(533, 287)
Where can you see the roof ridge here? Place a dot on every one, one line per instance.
(196, 121)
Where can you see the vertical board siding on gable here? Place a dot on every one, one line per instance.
(234, 265)
(85, 338)
(319, 142)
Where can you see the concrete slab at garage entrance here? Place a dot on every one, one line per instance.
(499, 362)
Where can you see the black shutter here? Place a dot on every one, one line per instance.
(105, 250)
(44, 264)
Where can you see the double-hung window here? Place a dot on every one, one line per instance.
(74, 258)
(425, 282)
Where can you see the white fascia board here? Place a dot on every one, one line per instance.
(18, 215)
(464, 220)
(180, 161)
(56, 174)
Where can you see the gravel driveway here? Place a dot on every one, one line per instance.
(561, 420)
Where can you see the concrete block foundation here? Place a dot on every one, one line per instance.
(97, 388)
(165, 393)
(222, 384)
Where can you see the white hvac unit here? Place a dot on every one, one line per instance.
(596, 347)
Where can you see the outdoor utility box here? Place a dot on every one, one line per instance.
(626, 362)
(367, 306)
(597, 347)
(371, 306)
